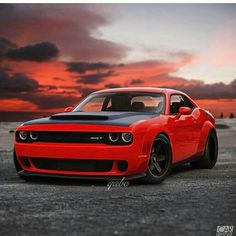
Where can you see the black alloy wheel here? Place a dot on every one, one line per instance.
(160, 161)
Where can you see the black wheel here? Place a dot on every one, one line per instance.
(160, 161)
(19, 168)
(208, 160)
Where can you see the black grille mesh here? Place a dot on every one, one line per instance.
(72, 137)
(73, 165)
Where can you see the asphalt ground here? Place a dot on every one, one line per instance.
(188, 202)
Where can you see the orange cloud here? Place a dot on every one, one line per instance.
(52, 73)
(217, 106)
(16, 104)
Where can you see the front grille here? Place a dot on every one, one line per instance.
(72, 165)
(72, 137)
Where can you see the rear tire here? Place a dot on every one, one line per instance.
(160, 161)
(208, 160)
(19, 168)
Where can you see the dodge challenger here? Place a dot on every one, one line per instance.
(116, 133)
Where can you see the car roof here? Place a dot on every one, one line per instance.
(140, 89)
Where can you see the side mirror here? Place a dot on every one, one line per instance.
(68, 109)
(183, 111)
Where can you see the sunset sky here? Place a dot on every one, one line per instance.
(52, 55)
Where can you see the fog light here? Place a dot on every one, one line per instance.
(33, 136)
(114, 137)
(23, 135)
(127, 137)
(122, 165)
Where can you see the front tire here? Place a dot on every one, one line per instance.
(160, 161)
(208, 160)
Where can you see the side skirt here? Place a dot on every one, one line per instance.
(190, 159)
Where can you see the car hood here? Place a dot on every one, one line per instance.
(99, 118)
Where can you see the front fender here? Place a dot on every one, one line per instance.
(150, 135)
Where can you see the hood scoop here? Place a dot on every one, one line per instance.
(76, 116)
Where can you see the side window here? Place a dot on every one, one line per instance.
(177, 101)
(147, 103)
(187, 102)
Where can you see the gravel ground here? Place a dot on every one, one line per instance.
(189, 202)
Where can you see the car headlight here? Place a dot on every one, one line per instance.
(113, 137)
(127, 137)
(23, 135)
(34, 135)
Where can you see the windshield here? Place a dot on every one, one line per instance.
(123, 102)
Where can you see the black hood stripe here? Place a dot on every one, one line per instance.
(112, 118)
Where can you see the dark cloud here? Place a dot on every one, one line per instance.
(5, 45)
(210, 91)
(22, 87)
(40, 52)
(6, 68)
(18, 82)
(233, 84)
(83, 91)
(50, 87)
(71, 26)
(48, 101)
(136, 81)
(82, 67)
(58, 79)
(111, 85)
(86, 91)
(95, 78)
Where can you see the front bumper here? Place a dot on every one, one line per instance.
(34, 152)
(133, 154)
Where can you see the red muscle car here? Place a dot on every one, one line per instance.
(116, 133)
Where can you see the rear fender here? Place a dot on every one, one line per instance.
(203, 137)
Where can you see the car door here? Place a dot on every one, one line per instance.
(184, 130)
